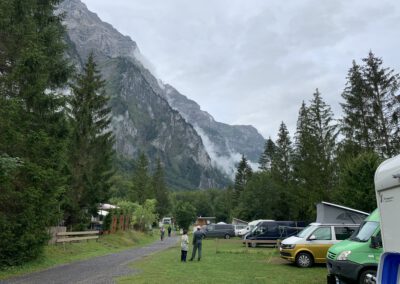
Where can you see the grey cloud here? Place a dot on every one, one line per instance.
(253, 62)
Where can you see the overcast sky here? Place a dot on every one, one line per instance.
(255, 61)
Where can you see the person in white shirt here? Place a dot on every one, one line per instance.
(184, 245)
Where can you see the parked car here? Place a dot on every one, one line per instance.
(354, 258)
(311, 244)
(238, 229)
(268, 232)
(219, 231)
(250, 227)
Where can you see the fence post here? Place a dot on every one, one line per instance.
(216, 245)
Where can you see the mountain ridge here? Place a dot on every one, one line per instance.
(144, 119)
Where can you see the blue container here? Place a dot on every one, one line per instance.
(388, 272)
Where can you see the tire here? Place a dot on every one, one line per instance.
(253, 245)
(363, 276)
(227, 236)
(304, 260)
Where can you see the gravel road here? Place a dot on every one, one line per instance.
(101, 269)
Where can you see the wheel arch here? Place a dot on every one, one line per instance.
(369, 266)
(306, 251)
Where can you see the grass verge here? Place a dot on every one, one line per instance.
(231, 263)
(58, 254)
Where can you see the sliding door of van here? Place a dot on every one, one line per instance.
(272, 231)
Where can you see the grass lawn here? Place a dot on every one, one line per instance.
(56, 254)
(230, 263)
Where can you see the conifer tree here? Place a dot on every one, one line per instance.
(266, 157)
(142, 188)
(90, 148)
(33, 127)
(243, 175)
(357, 112)
(160, 190)
(314, 162)
(282, 173)
(281, 164)
(381, 86)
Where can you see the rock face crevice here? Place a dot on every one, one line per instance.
(151, 117)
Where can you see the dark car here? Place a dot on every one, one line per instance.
(268, 232)
(219, 231)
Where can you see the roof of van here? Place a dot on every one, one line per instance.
(374, 216)
(344, 207)
(329, 213)
(255, 222)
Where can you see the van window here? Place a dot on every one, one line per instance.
(306, 231)
(323, 233)
(272, 227)
(366, 231)
(210, 227)
(343, 233)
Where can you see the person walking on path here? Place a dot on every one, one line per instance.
(162, 232)
(197, 243)
(169, 231)
(184, 245)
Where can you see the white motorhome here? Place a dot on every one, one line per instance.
(387, 187)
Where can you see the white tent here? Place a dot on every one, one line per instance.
(329, 213)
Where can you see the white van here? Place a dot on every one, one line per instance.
(166, 221)
(250, 227)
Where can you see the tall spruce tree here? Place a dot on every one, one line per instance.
(266, 157)
(282, 173)
(243, 175)
(382, 85)
(281, 162)
(357, 113)
(303, 162)
(314, 162)
(160, 190)
(90, 148)
(32, 125)
(142, 188)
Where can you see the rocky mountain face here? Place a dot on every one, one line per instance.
(147, 115)
(224, 143)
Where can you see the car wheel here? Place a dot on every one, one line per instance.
(227, 236)
(253, 245)
(363, 279)
(304, 260)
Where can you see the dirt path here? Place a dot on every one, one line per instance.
(103, 269)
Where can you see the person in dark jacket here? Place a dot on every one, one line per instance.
(169, 231)
(197, 243)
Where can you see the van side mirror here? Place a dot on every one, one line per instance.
(376, 242)
(312, 238)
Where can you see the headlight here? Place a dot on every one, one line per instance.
(344, 255)
(288, 246)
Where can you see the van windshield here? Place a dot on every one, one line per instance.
(365, 232)
(306, 231)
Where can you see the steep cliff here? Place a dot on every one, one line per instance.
(142, 120)
(154, 118)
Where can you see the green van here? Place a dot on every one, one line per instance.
(354, 258)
